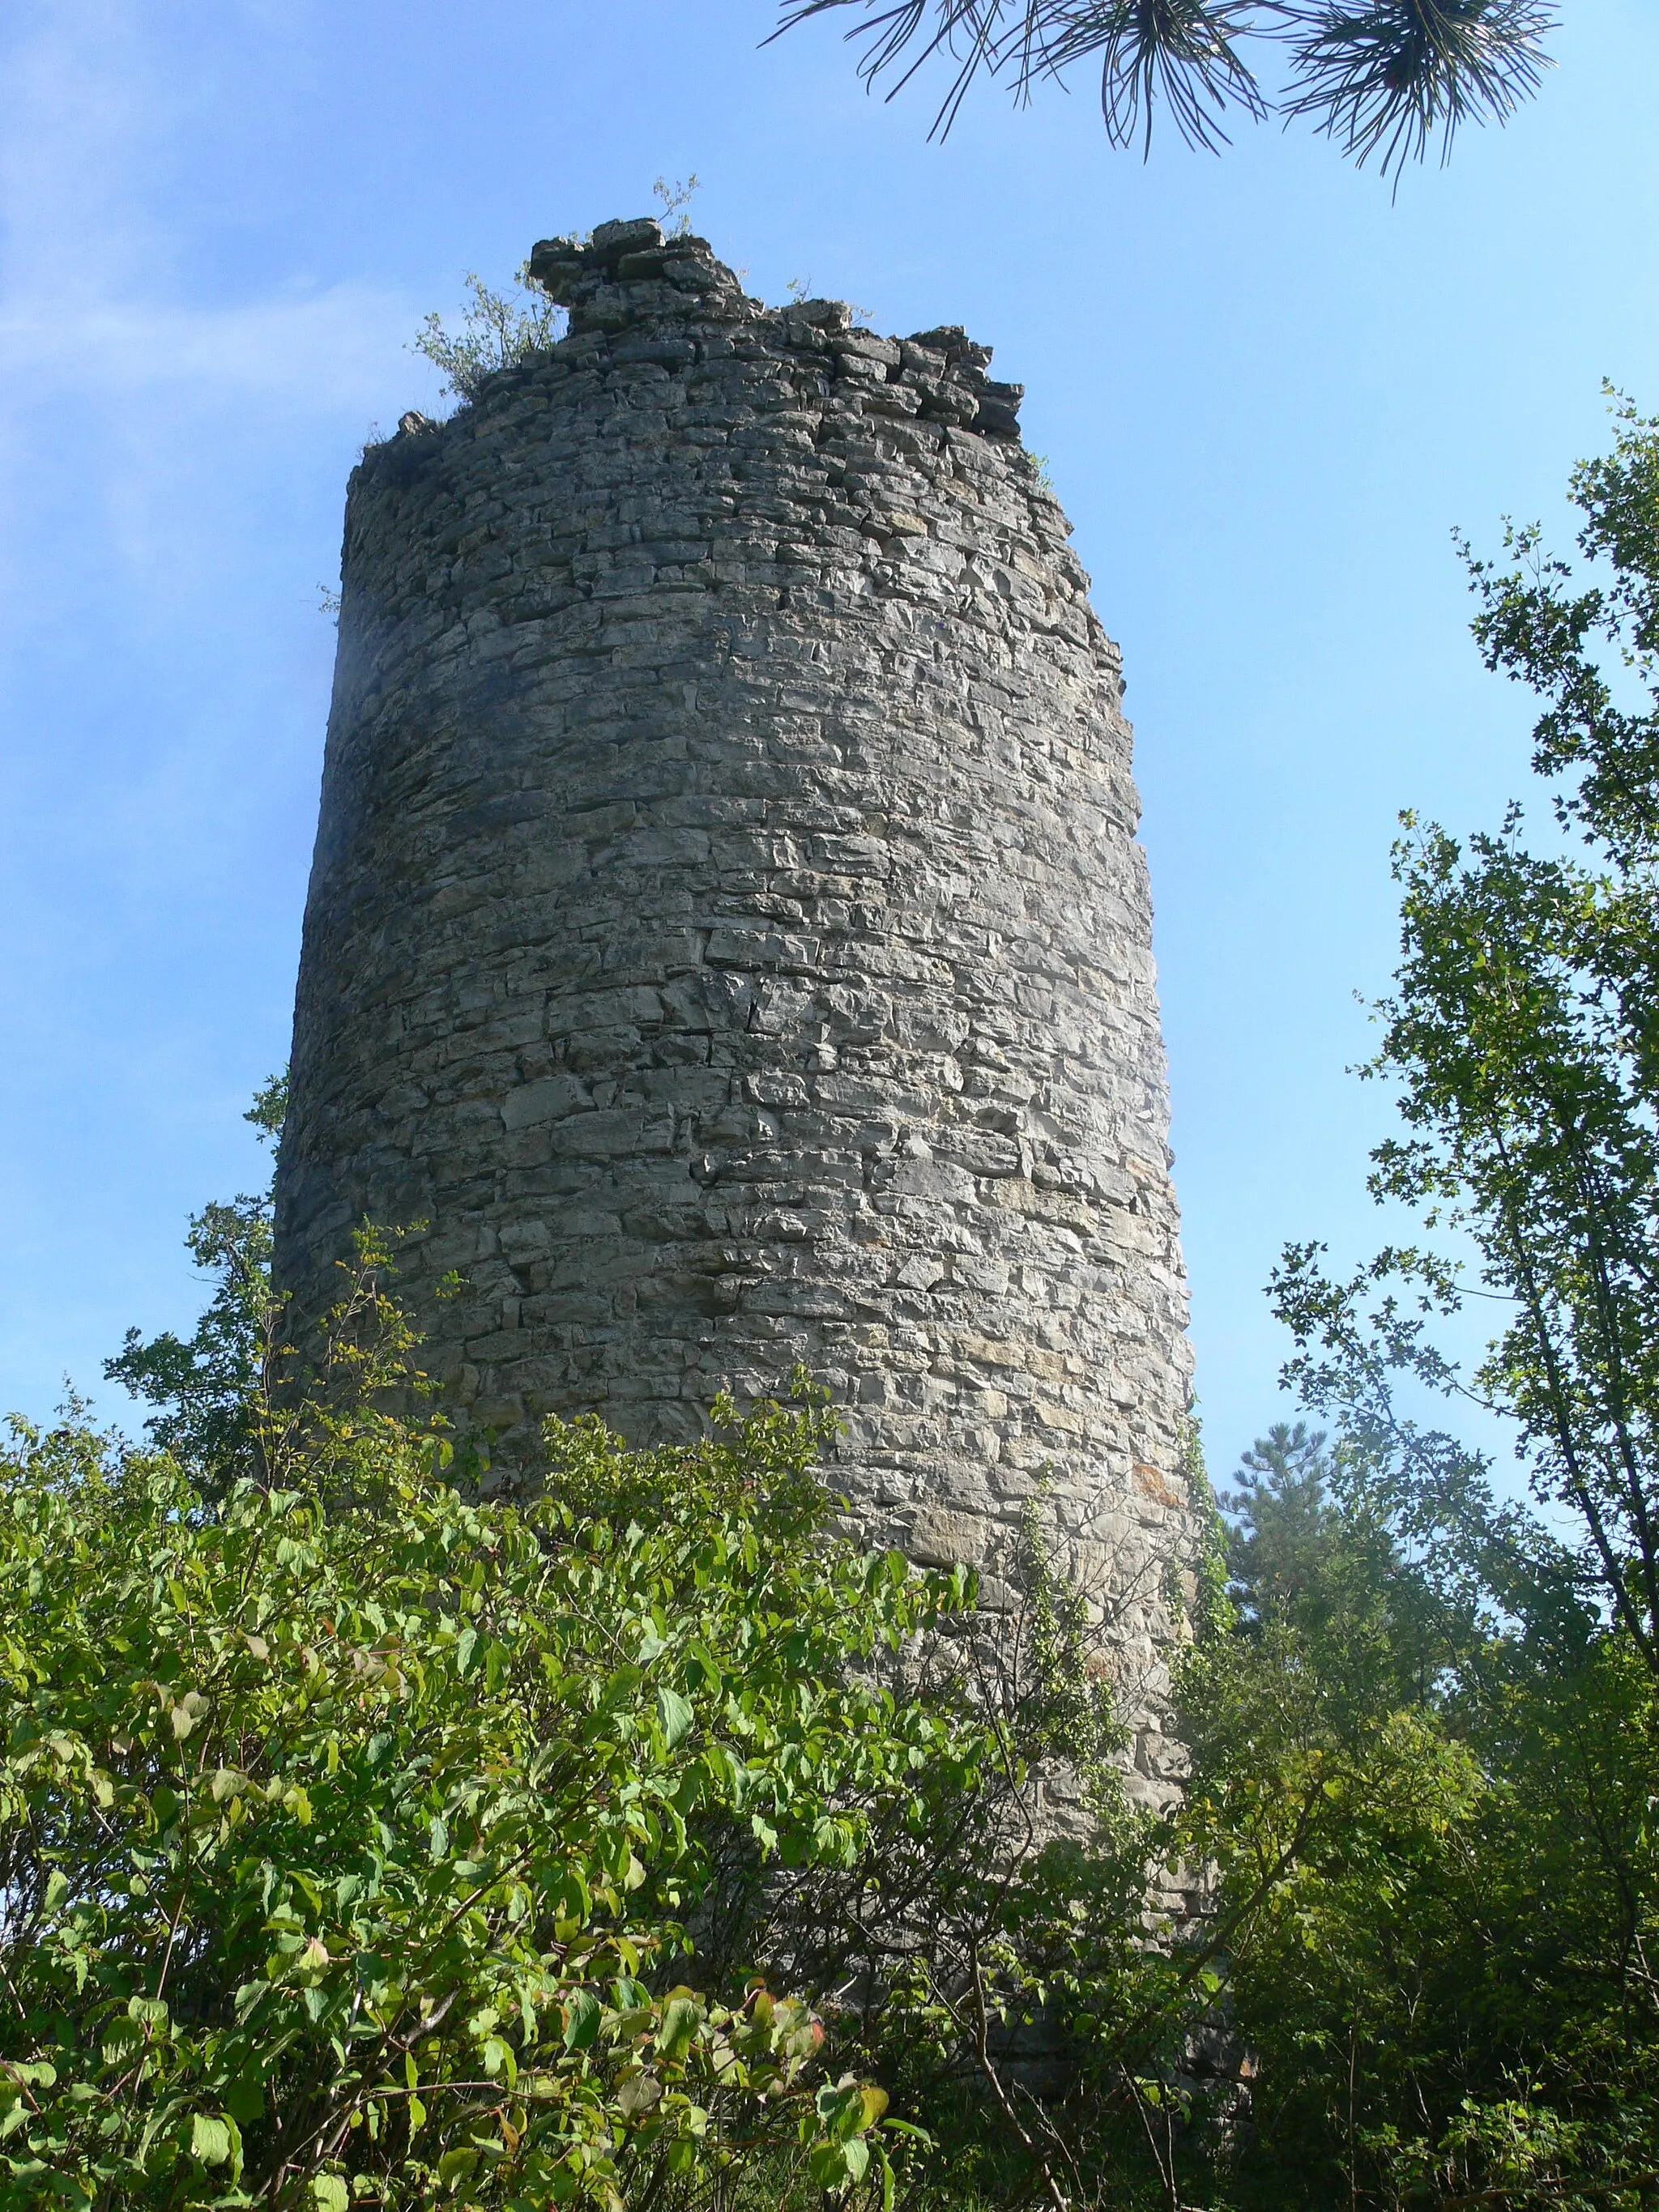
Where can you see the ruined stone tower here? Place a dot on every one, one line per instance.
(726, 929)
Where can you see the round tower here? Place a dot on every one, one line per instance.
(726, 930)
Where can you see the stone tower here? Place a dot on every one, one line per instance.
(726, 929)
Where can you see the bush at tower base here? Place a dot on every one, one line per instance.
(350, 1830)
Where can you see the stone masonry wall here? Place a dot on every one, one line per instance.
(726, 929)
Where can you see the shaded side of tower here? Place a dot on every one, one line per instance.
(728, 933)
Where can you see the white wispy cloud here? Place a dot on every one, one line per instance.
(318, 352)
(158, 434)
(129, 401)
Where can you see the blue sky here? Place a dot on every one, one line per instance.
(1264, 391)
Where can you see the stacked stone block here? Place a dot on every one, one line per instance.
(726, 930)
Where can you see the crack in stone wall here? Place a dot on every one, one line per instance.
(726, 929)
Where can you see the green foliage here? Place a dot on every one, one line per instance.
(676, 198)
(349, 1842)
(209, 1389)
(998, 1912)
(242, 1400)
(1521, 1039)
(498, 331)
(1284, 1518)
(1449, 1989)
(1383, 77)
(1433, 1874)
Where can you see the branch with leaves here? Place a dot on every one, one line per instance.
(349, 1835)
(1383, 79)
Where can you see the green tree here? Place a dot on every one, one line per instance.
(1283, 1519)
(1522, 1039)
(1009, 1997)
(1452, 1752)
(1382, 78)
(1429, 1838)
(350, 1834)
(208, 1389)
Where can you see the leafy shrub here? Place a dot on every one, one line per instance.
(348, 1843)
(499, 330)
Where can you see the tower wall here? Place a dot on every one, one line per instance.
(726, 929)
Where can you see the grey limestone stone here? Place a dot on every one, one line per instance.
(726, 929)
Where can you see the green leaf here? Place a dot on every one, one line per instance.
(210, 2139)
(677, 1715)
(827, 2164)
(621, 1686)
(370, 1844)
(582, 2024)
(682, 2017)
(841, 2108)
(244, 2099)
